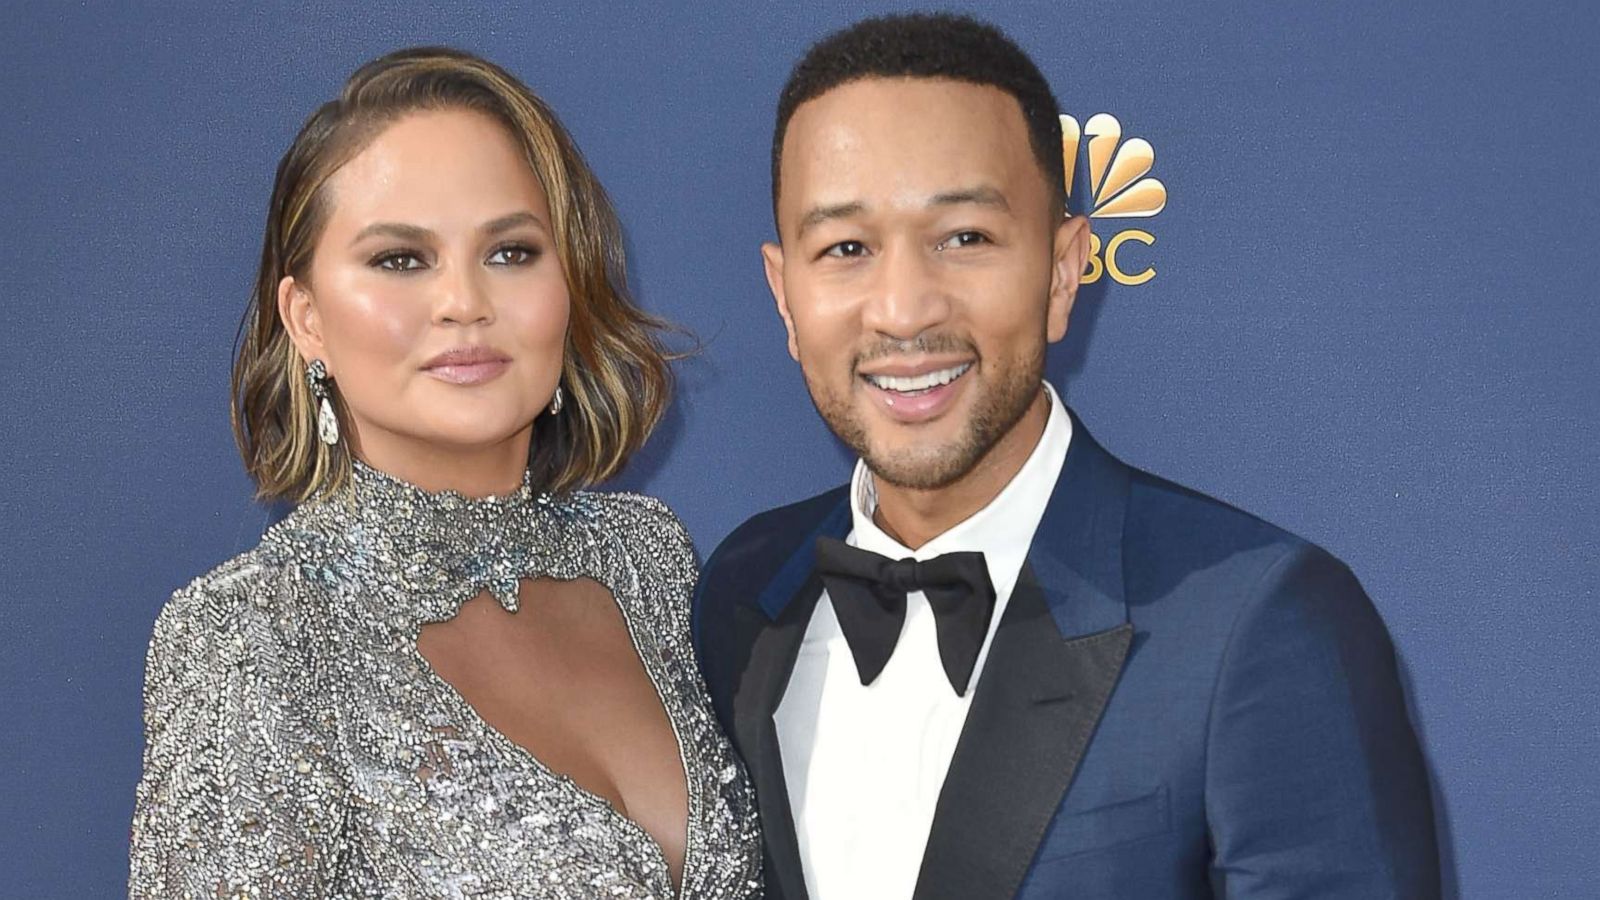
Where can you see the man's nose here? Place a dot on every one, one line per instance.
(908, 297)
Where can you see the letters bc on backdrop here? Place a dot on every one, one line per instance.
(1118, 189)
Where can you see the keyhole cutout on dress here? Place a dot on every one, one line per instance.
(561, 678)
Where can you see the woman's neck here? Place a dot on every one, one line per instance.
(488, 470)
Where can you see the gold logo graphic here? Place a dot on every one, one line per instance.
(1118, 187)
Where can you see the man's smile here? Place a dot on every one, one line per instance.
(918, 384)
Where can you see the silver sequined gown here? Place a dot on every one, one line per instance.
(298, 745)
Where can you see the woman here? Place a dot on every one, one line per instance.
(449, 672)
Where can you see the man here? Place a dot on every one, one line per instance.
(1001, 662)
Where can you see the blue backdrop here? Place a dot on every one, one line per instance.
(1372, 320)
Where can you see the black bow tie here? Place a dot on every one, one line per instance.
(868, 592)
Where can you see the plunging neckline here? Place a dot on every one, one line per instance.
(605, 807)
(445, 549)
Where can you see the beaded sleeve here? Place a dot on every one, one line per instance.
(238, 796)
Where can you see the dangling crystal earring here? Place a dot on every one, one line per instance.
(556, 404)
(327, 422)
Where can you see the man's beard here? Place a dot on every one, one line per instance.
(1011, 391)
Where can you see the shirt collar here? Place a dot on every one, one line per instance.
(1002, 530)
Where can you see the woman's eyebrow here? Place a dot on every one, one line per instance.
(393, 229)
(514, 220)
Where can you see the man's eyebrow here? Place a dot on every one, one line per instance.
(404, 232)
(819, 214)
(513, 220)
(982, 195)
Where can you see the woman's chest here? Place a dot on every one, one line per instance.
(439, 796)
(502, 756)
(565, 680)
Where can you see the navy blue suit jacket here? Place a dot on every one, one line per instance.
(1181, 701)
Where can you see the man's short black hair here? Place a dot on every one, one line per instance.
(928, 45)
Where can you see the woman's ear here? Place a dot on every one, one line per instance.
(298, 311)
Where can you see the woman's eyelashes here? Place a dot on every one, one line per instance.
(517, 254)
(397, 260)
(402, 260)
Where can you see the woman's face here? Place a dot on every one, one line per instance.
(435, 296)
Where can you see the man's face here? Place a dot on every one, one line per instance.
(921, 270)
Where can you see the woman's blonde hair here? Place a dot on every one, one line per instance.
(615, 375)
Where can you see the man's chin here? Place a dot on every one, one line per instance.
(924, 466)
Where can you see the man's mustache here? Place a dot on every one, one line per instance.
(922, 344)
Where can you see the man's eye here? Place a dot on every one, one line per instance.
(399, 261)
(846, 249)
(513, 255)
(963, 239)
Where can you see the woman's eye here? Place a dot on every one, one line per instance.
(846, 249)
(963, 239)
(397, 262)
(514, 255)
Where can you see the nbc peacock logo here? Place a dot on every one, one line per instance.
(1119, 189)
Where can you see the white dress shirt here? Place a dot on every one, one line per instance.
(865, 764)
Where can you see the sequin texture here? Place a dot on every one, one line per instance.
(298, 745)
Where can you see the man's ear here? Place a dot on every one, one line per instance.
(772, 261)
(1070, 255)
(300, 320)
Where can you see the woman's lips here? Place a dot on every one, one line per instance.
(468, 365)
(469, 373)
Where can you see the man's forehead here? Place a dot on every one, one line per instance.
(865, 102)
(910, 138)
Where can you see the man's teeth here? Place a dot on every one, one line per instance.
(911, 384)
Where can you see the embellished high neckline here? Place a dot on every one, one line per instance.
(372, 487)
(419, 555)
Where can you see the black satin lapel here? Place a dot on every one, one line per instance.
(1038, 701)
(774, 645)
